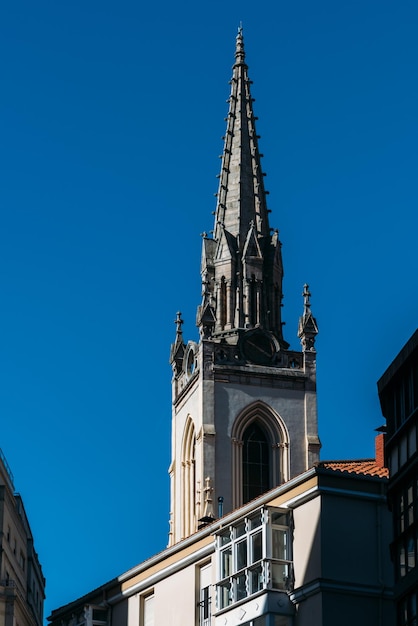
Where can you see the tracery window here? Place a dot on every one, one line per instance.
(255, 462)
(260, 452)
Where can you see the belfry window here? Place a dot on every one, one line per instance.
(255, 462)
(260, 452)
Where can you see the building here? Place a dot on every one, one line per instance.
(398, 393)
(22, 584)
(310, 551)
(244, 406)
(261, 532)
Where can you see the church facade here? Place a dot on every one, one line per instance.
(261, 532)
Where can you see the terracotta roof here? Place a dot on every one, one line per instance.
(360, 466)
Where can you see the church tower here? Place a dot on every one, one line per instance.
(244, 405)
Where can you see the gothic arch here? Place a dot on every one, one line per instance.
(188, 479)
(276, 436)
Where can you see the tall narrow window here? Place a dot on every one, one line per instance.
(253, 301)
(149, 610)
(205, 595)
(255, 463)
(222, 307)
(188, 480)
(260, 452)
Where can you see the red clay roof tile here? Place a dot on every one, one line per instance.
(361, 466)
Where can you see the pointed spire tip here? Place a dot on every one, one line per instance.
(239, 48)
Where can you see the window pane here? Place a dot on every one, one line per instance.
(401, 560)
(149, 611)
(225, 538)
(240, 587)
(280, 547)
(413, 606)
(255, 456)
(394, 461)
(403, 451)
(204, 605)
(256, 579)
(256, 547)
(205, 576)
(279, 519)
(412, 436)
(241, 554)
(411, 553)
(401, 513)
(240, 530)
(99, 615)
(224, 598)
(226, 562)
(279, 575)
(410, 504)
(255, 521)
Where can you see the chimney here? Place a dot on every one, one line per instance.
(379, 443)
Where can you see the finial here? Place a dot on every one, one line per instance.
(308, 328)
(179, 323)
(239, 49)
(306, 295)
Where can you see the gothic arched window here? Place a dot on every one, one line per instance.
(260, 458)
(255, 463)
(188, 479)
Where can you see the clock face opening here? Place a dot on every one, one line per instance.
(258, 347)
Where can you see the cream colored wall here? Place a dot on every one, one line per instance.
(176, 597)
(189, 407)
(307, 542)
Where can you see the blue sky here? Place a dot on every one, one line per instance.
(111, 124)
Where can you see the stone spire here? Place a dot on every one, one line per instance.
(241, 266)
(241, 195)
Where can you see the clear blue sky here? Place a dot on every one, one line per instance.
(111, 119)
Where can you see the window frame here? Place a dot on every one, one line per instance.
(240, 581)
